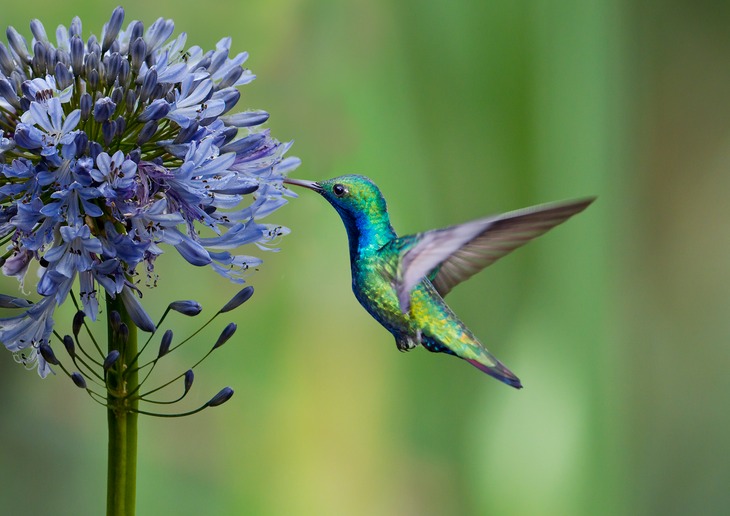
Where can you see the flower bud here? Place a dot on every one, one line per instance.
(117, 95)
(130, 101)
(64, 79)
(158, 33)
(123, 73)
(121, 124)
(220, 398)
(147, 132)
(136, 30)
(116, 46)
(135, 155)
(246, 119)
(237, 300)
(93, 47)
(75, 27)
(231, 77)
(77, 55)
(138, 51)
(85, 104)
(240, 190)
(93, 78)
(113, 64)
(189, 377)
(165, 343)
(91, 64)
(108, 130)
(47, 354)
(244, 145)
(78, 380)
(115, 320)
(148, 85)
(226, 334)
(229, 133)
(78, 321)
(7, 65)
(8, 93)
(18, 44)
(111, 359)
(38, 31)
(40, 58)
(68, 343)
(111, 28)
(103, 109)
(63, 57)
(123, 333)
(95, 149)
(190, 308)
(187, 133)
(230, 97)
(158, 109)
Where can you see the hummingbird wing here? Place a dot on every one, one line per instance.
(450, 255)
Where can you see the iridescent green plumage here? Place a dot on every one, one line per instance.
(401, 281)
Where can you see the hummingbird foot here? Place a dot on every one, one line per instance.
(408, 342)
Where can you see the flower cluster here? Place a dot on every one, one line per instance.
(113, 146)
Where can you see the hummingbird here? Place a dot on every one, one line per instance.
(402, 281)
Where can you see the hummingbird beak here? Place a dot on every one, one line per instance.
(304, 183)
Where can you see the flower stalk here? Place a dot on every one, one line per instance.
(122, 382)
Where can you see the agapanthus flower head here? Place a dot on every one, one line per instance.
(112, 147)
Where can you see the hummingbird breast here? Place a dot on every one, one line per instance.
(372, 283)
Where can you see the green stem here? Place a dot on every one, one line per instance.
(121, 418)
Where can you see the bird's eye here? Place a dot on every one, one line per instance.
(339, 190)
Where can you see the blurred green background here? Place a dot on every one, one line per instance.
(616, 321)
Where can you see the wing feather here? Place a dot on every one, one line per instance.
(451, 255)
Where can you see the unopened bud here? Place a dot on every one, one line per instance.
(190, 308)
(78, 322)
(165, 344)
(78, 380)
(103, 109)
(226, 334)
(110, 359)
(220, 398)
(123, 333)
(189, 377)
(47, 354)
(237, 300)
(68, 343)
(115, 320)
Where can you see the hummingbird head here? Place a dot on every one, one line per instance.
(354, 197)
(361, 207)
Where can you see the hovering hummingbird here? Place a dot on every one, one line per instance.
(401, 281)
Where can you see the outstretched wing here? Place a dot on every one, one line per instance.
(449, 256)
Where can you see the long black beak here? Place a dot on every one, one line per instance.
(304, 183)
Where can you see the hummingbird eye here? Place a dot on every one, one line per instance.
(339, 190)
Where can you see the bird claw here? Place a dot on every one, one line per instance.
(408, 342)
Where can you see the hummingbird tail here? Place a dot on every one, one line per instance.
(499, 371)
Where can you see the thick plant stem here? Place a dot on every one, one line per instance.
(121, 416)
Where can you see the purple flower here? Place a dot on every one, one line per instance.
(54, 128)
(117, 148)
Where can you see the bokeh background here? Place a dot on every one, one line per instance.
(616, 321)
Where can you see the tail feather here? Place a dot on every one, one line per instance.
(498, 371)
